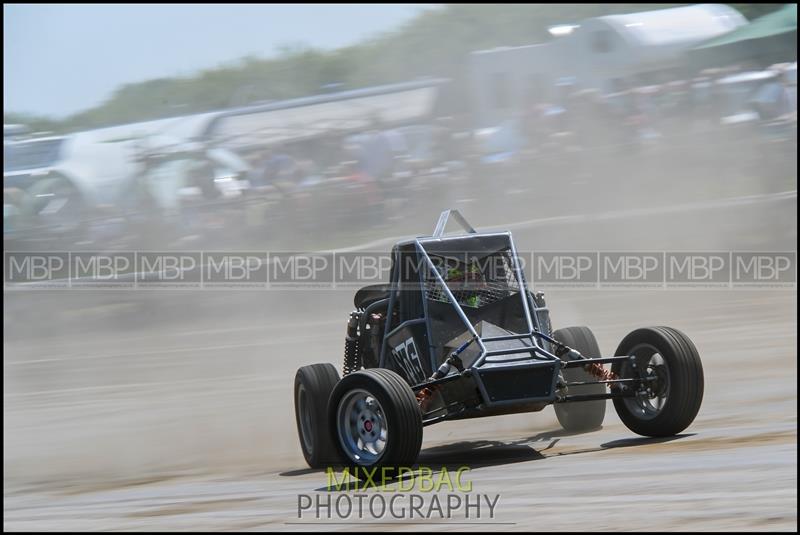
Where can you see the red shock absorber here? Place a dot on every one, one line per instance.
(424, 396)
(597, 370)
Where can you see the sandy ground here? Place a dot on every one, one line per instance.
(172, 410)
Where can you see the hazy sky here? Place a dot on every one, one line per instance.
(59, 59)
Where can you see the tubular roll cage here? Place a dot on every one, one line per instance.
(540, 357)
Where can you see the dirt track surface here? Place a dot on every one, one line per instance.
(173, 410)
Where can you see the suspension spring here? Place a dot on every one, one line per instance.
(352, 345)
(598, 371)
(351, 356)
(424, 396)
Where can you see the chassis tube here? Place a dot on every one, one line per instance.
(507, 337)
(450, 296)
(595, 397)
(512, 351)
(583, 362)
(610, 381)
(523, 286)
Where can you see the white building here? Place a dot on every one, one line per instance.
(648, 45)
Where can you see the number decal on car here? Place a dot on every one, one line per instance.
(407, 357)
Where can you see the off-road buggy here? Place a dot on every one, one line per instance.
(457, 334)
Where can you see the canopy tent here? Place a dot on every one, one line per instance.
(766, 40)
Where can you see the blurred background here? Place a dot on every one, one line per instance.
(304, 128)
(356, 139)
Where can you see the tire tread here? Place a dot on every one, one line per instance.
(686, 382)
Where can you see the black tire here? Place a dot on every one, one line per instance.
(580, 416)
(399, 415)
(69, 221)
(312, 388)
(683, 385)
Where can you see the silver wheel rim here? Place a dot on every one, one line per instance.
(652, 397)
(362, 427)
(304, 409)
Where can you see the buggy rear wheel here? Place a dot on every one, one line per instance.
(669, 401)
(580, 415)
(312, 388)
(377, 419)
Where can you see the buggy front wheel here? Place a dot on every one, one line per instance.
(376, 419)
(669, 400)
